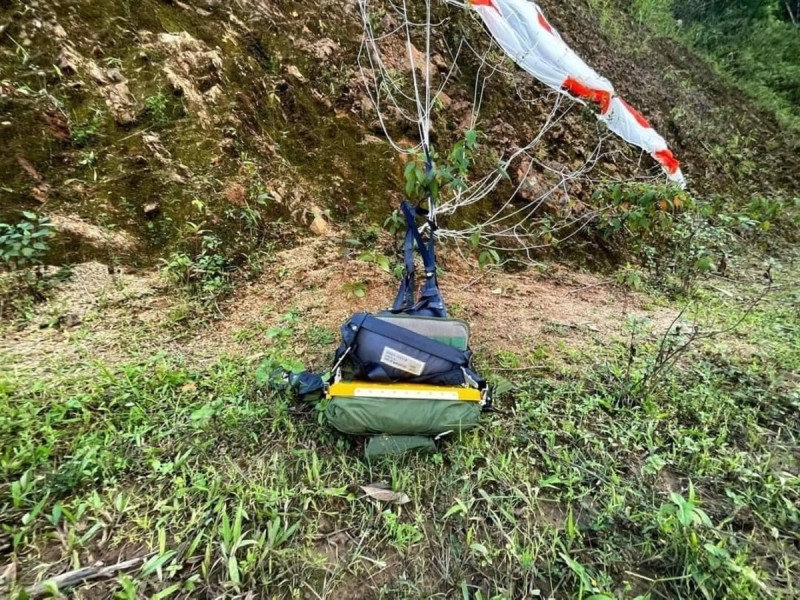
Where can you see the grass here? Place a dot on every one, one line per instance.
(756, 62)
(579, 491)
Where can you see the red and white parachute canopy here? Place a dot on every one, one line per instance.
(520, 28)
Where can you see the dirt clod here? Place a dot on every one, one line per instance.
(236, 194)
(92, 234)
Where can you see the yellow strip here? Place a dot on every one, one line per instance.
(368, 389)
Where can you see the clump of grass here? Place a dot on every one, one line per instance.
(687, 490)
(157, 107)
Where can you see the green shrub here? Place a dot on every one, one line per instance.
(662, 227)
(447, 172)
(206, 274)
(25, 243)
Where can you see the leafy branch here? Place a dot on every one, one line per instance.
(445, 173)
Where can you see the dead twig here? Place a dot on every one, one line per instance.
(588, 287)
(474, 280)
(668, 354)
(79, 576)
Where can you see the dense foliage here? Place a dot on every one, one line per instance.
(755, 41)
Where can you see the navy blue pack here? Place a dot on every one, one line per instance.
(406, 371)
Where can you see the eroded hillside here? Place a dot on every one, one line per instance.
(129, 122)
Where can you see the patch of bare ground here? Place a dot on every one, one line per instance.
(506, 311)
(89, 317)
(112, 316)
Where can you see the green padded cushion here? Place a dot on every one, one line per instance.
(361, 416)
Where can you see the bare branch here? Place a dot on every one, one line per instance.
(73, 578)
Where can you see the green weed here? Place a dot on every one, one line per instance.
(206, 275)
(85, 132)
(157, 108)
(687, 489)
(25, 243)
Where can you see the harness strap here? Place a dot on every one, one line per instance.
(430, 297)
(427, 252)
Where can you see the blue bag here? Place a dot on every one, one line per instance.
(414, 341)
(376, 350)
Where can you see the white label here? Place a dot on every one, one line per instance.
(402, 362)
(402, 393)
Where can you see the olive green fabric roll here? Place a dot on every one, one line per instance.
(407, 416)
(383, 446)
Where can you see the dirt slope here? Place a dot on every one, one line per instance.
(115, 317)
(146, 121)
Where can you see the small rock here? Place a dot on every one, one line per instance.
(9, 574)
(119, 100)
(319, 226)
(41, 193)
(97, 74)
(295, 72)
(70, 320)
(214, 94)
(67, 61)
(115, 75)
(151, 209)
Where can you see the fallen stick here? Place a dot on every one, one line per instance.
(588, 287)
(721, 291)
(72, 578)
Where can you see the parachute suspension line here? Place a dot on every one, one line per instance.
(428, 108)
(527, 192)
(422, 111)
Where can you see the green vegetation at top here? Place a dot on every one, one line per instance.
(756, 42)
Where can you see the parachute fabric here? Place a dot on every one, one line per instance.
(523, 32)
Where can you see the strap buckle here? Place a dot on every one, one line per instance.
(469, 379)
(338, 363)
